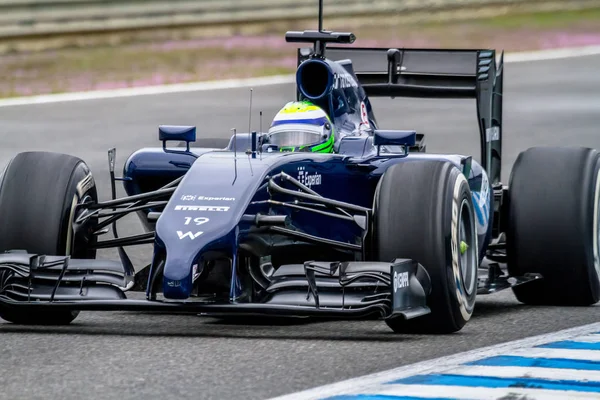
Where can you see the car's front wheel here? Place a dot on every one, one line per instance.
(423, 210)
(38, 194)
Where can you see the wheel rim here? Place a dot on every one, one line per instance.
(467, 247)
(596, 227)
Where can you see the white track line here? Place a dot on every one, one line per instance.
(149, 90)
(594, 338)
(254, 82)
(570, 354)
(576, 375)
(552, 54)
(443, 363)
(482, 393)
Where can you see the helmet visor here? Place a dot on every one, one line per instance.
(295, 135)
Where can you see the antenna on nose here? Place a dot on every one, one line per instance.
(234, 130)
(250, 112)
(261, 135)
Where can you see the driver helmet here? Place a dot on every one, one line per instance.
(302, 126)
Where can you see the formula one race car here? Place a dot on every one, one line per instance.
(324, 215)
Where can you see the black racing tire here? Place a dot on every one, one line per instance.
(37, 194)
(553, 225)
(422, 211)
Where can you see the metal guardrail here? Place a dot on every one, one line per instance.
(24, 18)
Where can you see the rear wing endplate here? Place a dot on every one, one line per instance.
(431, 73)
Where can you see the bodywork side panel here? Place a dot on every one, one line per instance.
(206, 212)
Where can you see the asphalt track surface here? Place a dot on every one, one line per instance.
(116, 355)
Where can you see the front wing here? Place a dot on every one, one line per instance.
(31, 282)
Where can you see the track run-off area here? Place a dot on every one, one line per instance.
(550, 98)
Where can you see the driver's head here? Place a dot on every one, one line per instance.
(302, 126)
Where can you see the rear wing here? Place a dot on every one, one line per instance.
(430, 73)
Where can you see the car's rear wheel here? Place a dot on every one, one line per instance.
(423, 210)
(554, 224)
(38, 193)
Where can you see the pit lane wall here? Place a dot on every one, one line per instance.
(47, 18)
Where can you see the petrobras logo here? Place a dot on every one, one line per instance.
(202, 208)
(343, 81)
(308, 179)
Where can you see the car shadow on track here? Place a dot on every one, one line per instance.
(170, 325)
(489, 308)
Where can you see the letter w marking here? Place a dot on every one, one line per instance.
(191, 235)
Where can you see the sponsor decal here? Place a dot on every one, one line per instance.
(400, 280)
(207, 198)
(197, 221)
(201, 208)
(193, 197)
(482, 206)
(343, 81)
(308, 179)
(492, 134)
(190, 235)
(364, 116)
(485, 190)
